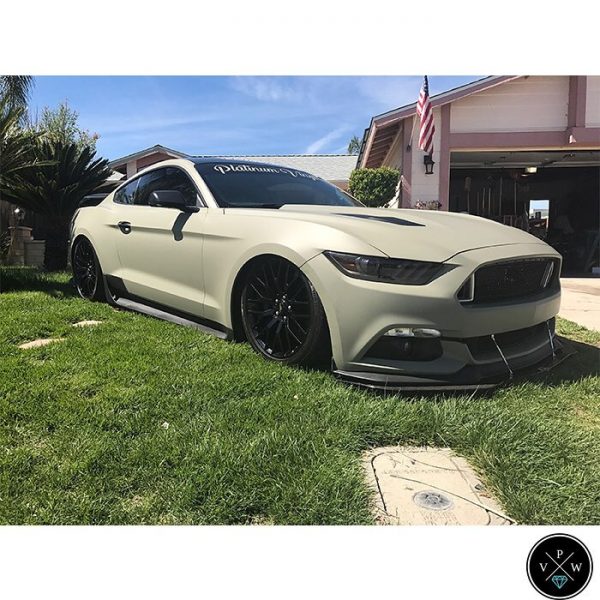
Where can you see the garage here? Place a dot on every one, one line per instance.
(552, 194)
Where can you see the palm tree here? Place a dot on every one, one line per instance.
(63, 175)
(354, 145)
(16, 89)
(16, 146)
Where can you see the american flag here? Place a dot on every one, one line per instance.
(425, 113)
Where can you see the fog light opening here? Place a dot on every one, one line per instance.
(418, 332)
(403, 347)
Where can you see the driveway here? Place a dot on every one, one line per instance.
(581, 301)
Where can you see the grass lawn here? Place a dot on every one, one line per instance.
(141, 421)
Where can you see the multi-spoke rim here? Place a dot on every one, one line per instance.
(84, 269)
(277, 308)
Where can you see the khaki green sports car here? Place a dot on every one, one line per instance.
(306, 274)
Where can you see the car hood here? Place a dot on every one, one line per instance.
(409, 233)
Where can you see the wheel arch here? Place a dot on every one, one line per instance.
(86, 236)
(236, 290)
(74, 241)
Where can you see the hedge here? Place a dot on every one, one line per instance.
(374, 187)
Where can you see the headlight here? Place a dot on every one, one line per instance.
(388, 270)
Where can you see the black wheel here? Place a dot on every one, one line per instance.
(87, 273)
(282, 315)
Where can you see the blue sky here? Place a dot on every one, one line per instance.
(230, 115)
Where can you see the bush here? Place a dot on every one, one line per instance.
(4, 245)
(374, 187)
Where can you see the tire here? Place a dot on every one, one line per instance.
(282, 315)
(87, 274)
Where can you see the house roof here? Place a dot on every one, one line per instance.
(115, 176)
(331, 167)
(383, 128)
(158, 148)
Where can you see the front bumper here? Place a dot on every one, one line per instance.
(360, 312)
(470, 377)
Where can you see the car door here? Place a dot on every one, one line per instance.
(160, 249)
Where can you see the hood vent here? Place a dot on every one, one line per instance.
(391, 220)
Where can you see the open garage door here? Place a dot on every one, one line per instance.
(554, 195)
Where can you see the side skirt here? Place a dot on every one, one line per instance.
(125, 300)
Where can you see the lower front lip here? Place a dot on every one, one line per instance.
(470, 377)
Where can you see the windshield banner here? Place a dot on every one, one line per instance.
(237, 168)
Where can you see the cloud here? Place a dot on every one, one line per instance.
(242, 115)
(126, 125)
(389, 92)
(268, 89)
(323, 141)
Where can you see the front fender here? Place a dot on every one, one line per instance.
(233, 240)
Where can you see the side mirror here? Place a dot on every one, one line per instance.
(170, 199)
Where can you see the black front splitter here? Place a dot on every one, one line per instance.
(470, 378)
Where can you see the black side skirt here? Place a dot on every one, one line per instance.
(127, 301)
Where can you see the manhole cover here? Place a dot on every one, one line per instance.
(432, 500)
(428, 486)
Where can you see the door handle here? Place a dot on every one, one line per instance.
(124, 226)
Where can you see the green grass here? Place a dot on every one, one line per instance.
(82, 437)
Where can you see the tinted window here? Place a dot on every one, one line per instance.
(168, 178)
(256, 185)
(127, 193)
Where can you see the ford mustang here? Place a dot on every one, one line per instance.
(305, 274)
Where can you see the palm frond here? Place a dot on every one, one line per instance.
(16, 89)
(16, 146)
(62, 176)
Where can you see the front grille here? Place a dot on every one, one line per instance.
(515, 280)
(511, 342)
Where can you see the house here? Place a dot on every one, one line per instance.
(132, 163)
(500, 144)
(335, 168)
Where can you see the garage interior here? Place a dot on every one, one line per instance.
(555, 195)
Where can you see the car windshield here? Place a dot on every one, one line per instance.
(254, 185)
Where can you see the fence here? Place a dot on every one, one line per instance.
(8, 219)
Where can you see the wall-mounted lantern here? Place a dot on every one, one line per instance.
(428, 161)
(19, 216)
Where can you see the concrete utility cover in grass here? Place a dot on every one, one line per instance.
(39, 343)
(86, 323)
(428, 486)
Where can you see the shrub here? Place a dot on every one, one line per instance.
(374, 187)
(4, 245)
(64, 174)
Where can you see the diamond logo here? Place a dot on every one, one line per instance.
(559, 566)
(559, 580)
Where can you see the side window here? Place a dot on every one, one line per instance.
(168, 178)
(126, 194)
(149, 183)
